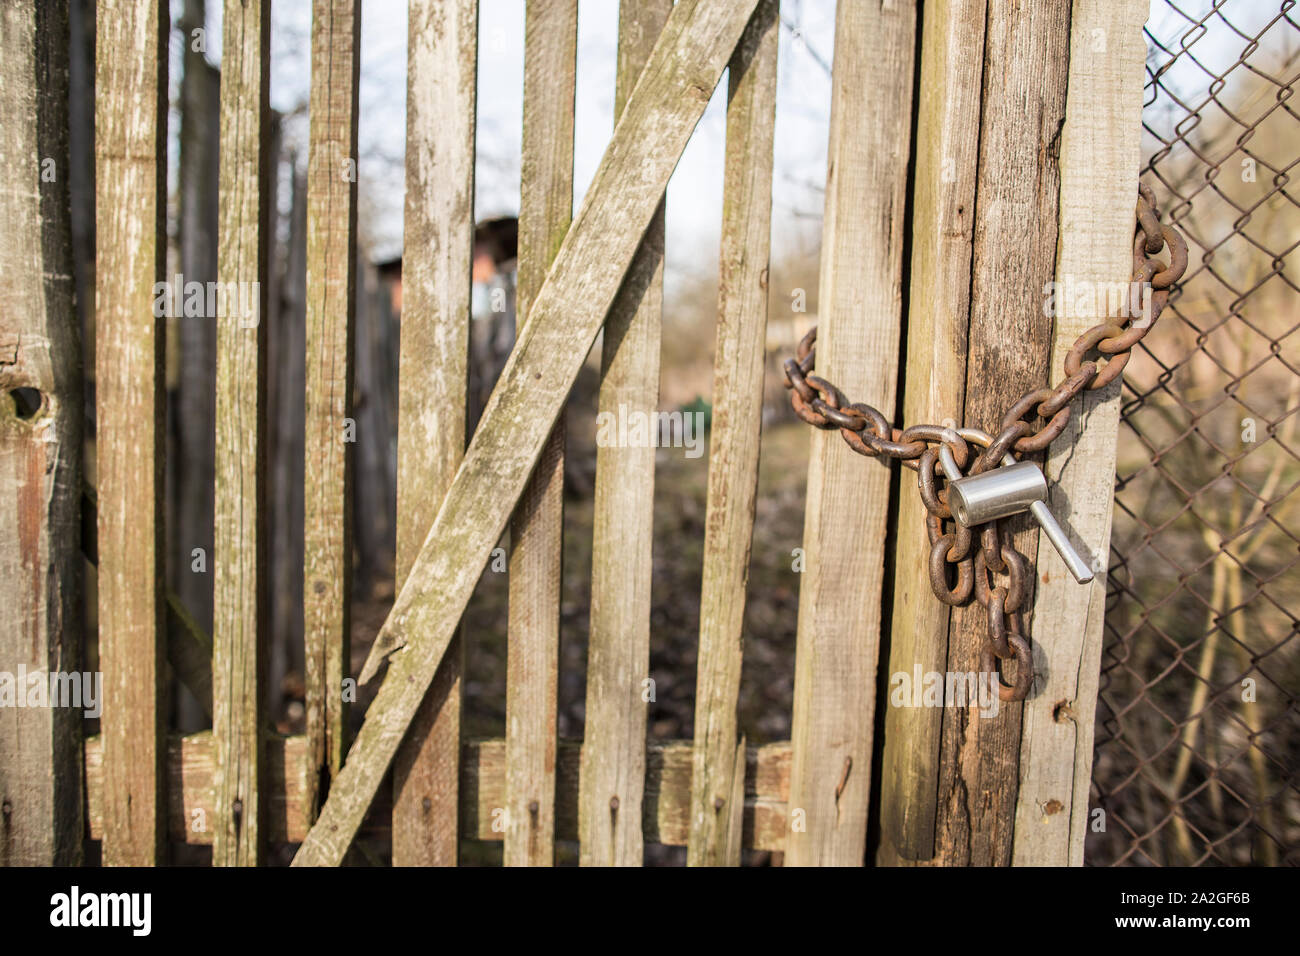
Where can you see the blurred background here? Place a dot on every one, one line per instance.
(1198, 726)
(1204, 593)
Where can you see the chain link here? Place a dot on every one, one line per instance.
(1095, 360)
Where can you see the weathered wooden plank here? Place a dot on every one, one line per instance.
(568, 311)
(40, 442)
(765, 784)
(240, 579)
(943, 204)
(331, 320)
(1025, 55)
(734, 438)
(1100, 156)
(189, 647)
(848, 495)
(536, 531)
(434, 354)
(618, 647)
(130, 205)
(191, 794)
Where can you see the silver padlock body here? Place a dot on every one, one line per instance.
(1004, 491)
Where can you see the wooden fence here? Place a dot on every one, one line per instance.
(975, 153)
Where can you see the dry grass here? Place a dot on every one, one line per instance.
(1198, 725)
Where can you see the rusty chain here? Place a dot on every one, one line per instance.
(868, 432)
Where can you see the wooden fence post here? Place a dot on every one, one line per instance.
(1025, 57)
(537, 529)
(943, 217)
(618, 647)
(434, 357)
(41, 418)
(848, 495)
(718, 775)
(589, 268)
(239, 562)
(130, 205)
(1100, 156)
(331, 303)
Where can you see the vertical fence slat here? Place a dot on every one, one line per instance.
(40, 440)
(618, 652)
(1100, 155)
(1025, 54)
(848, 495)
(331, 282)
(239, 584)
(717, 780)
(943, 214)
(566, 315)
(130, 205)
(536, 532)
(434, 355)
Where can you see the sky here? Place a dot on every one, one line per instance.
(694, 195)
(694, 206)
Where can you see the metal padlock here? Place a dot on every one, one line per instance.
(1013, 488)
(997, 493)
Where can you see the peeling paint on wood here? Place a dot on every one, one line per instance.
(40, 441)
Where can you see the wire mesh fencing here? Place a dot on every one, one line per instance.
(1198, 725)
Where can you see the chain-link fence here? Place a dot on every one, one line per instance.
(1198, 729)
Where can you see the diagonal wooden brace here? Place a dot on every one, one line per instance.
(651, 134)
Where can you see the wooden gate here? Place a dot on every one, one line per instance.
(976, 154)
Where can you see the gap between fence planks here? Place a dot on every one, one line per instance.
(537, 528)
(734, 439)
(191, 447)
(618, 646)
(1100, 156)
(433, 365)
(943, 214)
(629, 184)
(40, 441)
(848, 496)
(240, 580)
(331, 320)
(1025, 54)
(130, 204)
